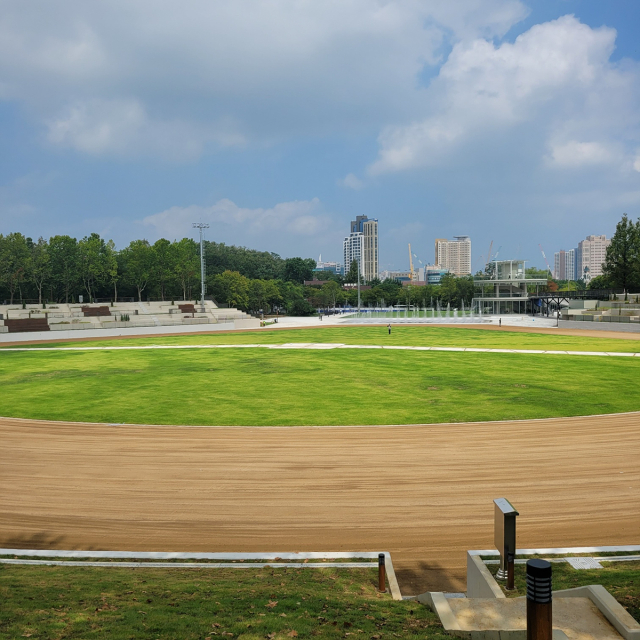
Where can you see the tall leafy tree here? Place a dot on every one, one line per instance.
(14, 259)
(622, 263)
(139, 263)
(39, 266)
(63, 252)
(165, 264)
(231, 287)
(352, 274)
(112, 269)
(92, 262)
(186, 264)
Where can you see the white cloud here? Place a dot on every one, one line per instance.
(555, 82)
(113, 76)
(124, 128)
(636, 163)
(297, 218)
(578, 154)
(350, 181)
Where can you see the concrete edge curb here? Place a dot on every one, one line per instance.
(391, 577)
(480, 582)
(195, 565)
(560, 550)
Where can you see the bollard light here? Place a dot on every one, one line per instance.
(539, 606)
(504, 536)
(382, 575)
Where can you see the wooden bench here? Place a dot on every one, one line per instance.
(187, 308)
(27, 324)
(94, 312)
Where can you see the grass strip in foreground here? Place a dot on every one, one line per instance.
(75, 602)
(621, 579)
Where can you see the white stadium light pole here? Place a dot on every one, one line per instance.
(202, 226)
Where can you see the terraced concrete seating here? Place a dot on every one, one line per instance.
(27, 324)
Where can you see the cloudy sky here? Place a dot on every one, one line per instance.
(277, 121)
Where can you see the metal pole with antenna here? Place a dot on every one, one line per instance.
(202, 226)
(358, 285)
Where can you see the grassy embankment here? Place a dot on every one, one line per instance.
(411, 336)
(78, 602)
(621, 579)
(300, 387)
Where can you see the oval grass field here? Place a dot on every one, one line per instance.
(259, 387)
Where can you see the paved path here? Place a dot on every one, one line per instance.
(326, 346)
(422, 492)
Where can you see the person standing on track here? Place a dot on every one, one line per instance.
(389, 327)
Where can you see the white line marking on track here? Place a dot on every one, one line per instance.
(327, 346)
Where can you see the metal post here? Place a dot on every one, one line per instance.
(358, 286)
(539, 606)
(382, 575)
(202, 226)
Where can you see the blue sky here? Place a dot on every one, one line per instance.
(278, 122)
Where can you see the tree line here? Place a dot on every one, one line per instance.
(63, 268)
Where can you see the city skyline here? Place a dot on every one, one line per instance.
(276, 124)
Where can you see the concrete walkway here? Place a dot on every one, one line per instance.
(579, 618)
(328, 346)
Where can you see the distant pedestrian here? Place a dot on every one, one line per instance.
(320, 316)
(389, 327)
(499, 322)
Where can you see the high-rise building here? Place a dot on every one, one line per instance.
(590, 256)
(362, 245)
(564, 265)
(454, 255)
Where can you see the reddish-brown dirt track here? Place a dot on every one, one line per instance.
(422, 492)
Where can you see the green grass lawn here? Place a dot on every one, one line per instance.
(301, 387)
(413, 336)
(621, 579)
(82, 602)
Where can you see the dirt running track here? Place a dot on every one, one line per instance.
(422, 492)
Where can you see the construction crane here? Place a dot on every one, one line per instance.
(545, 259)
(489, 254)
(411, 264)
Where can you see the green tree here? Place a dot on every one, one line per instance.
(352, 274)
(299, 269)
(139, 264)
(231, 287)
(257, 295)
(186, 265)
(63, 251)
(112, 270)
(92, 261)
(14, 259)
(39, 269)
(600, 282)
(165, 264)
(332, 292)
(272, 294)
(622, 263)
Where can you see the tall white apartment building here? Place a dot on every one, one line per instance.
(454, 255)
(564, 265)
(590, 256)
(353, 248)
(362, 245)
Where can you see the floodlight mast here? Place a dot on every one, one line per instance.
(201, 226)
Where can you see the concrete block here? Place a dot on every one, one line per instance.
(246, 323)
(480, 582)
